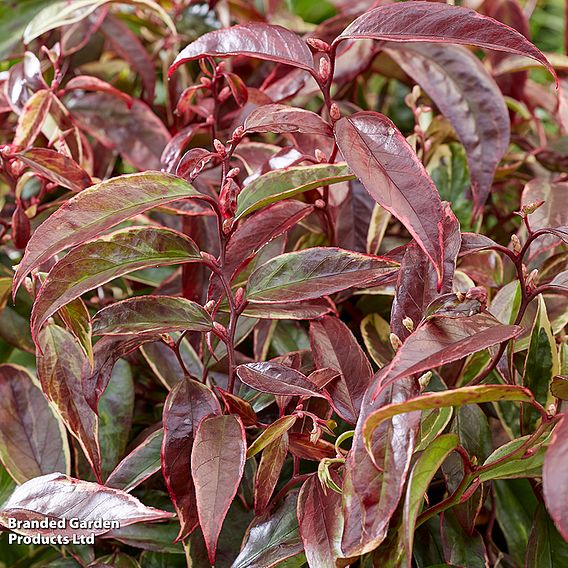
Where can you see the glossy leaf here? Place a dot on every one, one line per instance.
(97, 262)
(455, 397)
(269, 468)
(159, 314)
(420, 21)
(281, 184)
(464, 92)
(282, 118)
(321, 522)
(60, 363)
(546, 547)
(276, 379)
(379, 155)
(334, 346)
(56, 167)
(97, 209)
(275, 431)
(313, 273)
(59, 496)
(217, 465)
(260, 40)
(33, 441)
(188, 403)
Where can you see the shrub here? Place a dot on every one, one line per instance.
(285, 296)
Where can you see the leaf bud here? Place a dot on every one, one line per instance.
(320, 156)
(205, 81)
(224, 94)
(220, 330)
(233, 172)
(531, 207)
(209, 258)
(324, 68)
(318, 44)
(239, 296)
(219, 148)
(209, 306)
(228, 225)
(517, 247)
(238, 133)
(408, 324)
(396, 342)
(319, 204)
(334, 112)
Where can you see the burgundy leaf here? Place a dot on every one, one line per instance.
(32, 439)
(379, 155)
(57, 168)
(282, 118)
(303, 447)
(371, 495)
(57, 496)
(264, 41)
(307, 309)
(271, 463)
(188, 403)
(333, 345)
(193, 159)
(417, 281)
(88, 83)
(436, 22)
(277, 379)
(321, 522)
(466, 94)
(60, 361)
(474, 242)
(97, 209)
(217, 465)
(554, 472)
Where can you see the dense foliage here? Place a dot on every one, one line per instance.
(290, 284)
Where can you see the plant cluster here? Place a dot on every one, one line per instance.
(282, 285)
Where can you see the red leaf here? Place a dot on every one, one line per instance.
(435, 22)
(276, 379)
(273, 458)
(88, 83)
(379, 155)
(57, 168)
(57, 496)
(217, 465)
(187, 405)
(60, 360)
(264, 41)
(333, 345)
(321, 522)
(283, 118)
(554, 477)
(417, 281)
(467, 95)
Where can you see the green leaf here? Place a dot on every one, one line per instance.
(546, 548)
(98, 208)
(456, 397)
(313, 273)
(281, 184)
(420, 477)
(273, 432)
(95, 263)
(159, 314)
(541, 364)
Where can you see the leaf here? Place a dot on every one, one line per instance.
(371, 495)
(33, 116)
(159, 314)
(97, 209)
(306, 310)
(273, 43)
(277, 379)
(546, 548)
(554, 488)
(283, 118)
(456, 397)
(217, 465)
(334, 346)
(559, 387)
(420, 477)
(56, 167)
(376, 336)
(467, 95)
(281, 184)
(313, 273)
(462, 548)
(442, 339)
(188, 403)
(33, 441)
(59, 365)
(133, 131)
(272, 538)
(271, 463)
(379, 155)
(94, 263)
(274, 432)
(59, 496)
(158, 537)
(541, 364)
(142, 462)
(424, 22)
(321, 522)
(77, 319)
